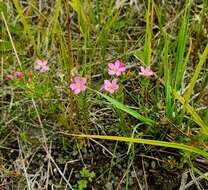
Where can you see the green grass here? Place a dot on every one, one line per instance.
(146, 141)
(164, 114)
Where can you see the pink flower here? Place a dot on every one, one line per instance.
(146, 72)
(41, 65)
(111, 86)
(19, 74)
(9, 77)
(116, 69)
(78, 85)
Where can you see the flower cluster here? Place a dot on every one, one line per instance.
(41, 65)
(110, 86)
(114, 69)
(146, 71)
(78, 85)
(18, 74)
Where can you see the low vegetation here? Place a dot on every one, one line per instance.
(104, 94)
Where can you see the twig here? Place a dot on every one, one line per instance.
(10, 37)
(183, 181)
(59, 170)
(48, 169)
(145, 176)
(23, 165)
(137, 179)
(103, 147)
(194, 180)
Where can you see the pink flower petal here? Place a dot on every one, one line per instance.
(19, 74)
(115, 86)
(118, 73)
(111, 91)
(84, 81)
(37, 67)
(114, 81)
(146, 71)
(122, 67)
(41, 65)
(44, 69)
(116, 69)
(107, 85)
(142, 69)
(83, 88)
(107, 82)
(78, 85)
(110, 86)
(117, 63)
(77, 79)
(38, 62)
(150, 73)
(9, 77)
(77, 91)
(111, 66)
(73, 86)
(44, 62)
(106, 88)
(111, 72)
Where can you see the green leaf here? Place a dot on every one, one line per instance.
(205, 116)
(181, 47)
(167, 78)
(148, 36)
(179, 146)
(25, 23)
(85, 173)
(128, 110)
(193, 113)
(82, 184)
(139, 54)
(196, 74)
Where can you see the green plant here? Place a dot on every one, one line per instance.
(86, 177)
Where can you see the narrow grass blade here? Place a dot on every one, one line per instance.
(202, 175)
(145, 141)
(167, 79)
(128, 110)
(196, 74)
(148, 36)
(77, 6)
(11, 40)
(24, 22)
(193, 113)
(203, 87)
(139, 54)
(92, 15)
(55, 19)
(199, 26)
(182, 39)
(194, 79)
